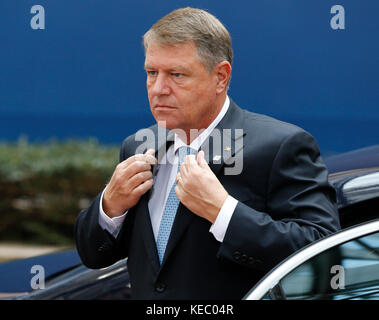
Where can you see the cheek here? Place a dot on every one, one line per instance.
(149, 95)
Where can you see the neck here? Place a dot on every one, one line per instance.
(188, 135)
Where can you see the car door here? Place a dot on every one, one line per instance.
(342, 266)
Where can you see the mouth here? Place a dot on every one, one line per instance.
(164, 107)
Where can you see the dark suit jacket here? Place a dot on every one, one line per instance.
(285, 202)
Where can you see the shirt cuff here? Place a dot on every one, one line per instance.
(112, 225)
(221, 223)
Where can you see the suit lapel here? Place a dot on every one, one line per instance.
(226, 140)
(147, 232)
(222, 152)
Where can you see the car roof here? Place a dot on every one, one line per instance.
(15, 275)
(360, 158)
(354, 175)
(354, 186)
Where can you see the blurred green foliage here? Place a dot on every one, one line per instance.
(43, 187)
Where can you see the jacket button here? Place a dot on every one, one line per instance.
(236, 255)
(244, 258)
(160, 287)
(251, 260)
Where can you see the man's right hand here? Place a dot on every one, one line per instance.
(131, 179)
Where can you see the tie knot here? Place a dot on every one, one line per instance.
(184, 151)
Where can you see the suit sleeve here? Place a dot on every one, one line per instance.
(300, 208)
(97, 247)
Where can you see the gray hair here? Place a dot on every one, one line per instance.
(212, 40)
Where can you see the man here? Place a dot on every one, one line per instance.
(230, 227)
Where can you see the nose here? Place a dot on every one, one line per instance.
(160, 85)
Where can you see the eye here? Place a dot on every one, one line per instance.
(151, 72)
(177, 75)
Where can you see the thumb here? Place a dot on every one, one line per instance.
(201, 159)
(150, 152)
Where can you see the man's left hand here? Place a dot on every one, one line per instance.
(199, 189)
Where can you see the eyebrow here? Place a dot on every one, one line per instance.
(146, 66)
(175, 69)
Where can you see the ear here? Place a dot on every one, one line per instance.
(223, 71)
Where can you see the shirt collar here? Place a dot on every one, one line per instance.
(196, 143)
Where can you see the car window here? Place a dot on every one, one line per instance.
(347, 271)
(359, 212)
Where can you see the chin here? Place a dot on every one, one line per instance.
(167, 124)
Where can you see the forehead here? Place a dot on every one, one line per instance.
(178, 55)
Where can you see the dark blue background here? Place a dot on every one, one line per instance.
(83, 75)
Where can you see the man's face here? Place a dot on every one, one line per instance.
(180, 89)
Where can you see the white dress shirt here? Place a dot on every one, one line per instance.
(163, 182)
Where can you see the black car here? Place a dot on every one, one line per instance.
(357, 186)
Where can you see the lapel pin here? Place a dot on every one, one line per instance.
(228, 149)
(216, 158)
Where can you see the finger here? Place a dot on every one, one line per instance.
(127, 162)
(190, 160)
(184, 170)
(150, 156)
(134, 168)
(150, 159)
(137, 157)
(139, 178)
(150, 152)
(201, 159)
(179, 192)
(143, 187)
(178, 178)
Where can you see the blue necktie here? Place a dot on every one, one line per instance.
(171, 207)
